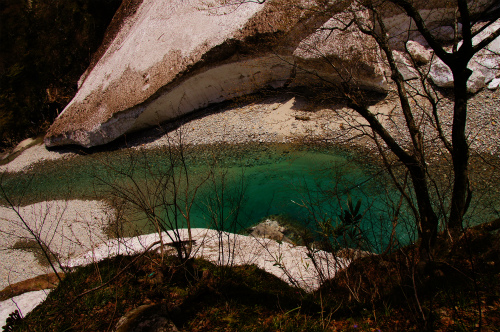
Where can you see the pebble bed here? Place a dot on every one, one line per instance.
(266, 120)
(67, 228)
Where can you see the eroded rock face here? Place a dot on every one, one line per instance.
(173, 57)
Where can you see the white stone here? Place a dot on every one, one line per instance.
(173, 57)
(494, 84)
(419, 53)
(405, 67)
(292, 264)
(484, 69)
(441, 74)
(485, 64)
(269, 229)
(24, 303)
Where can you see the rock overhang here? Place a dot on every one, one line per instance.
(171, 58)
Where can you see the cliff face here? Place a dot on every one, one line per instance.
(167, 58)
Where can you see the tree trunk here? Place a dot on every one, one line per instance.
(428, 223)
(460, 153)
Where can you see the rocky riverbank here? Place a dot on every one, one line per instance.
(66, 228)
(291, 117)
(279, 118)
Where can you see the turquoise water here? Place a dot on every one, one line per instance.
(236, 186)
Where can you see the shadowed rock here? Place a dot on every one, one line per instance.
(146, 318)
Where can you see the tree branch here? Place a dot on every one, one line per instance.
(413, 13)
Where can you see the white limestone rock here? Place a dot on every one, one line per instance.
(291, 263)
(405, 67)
(418, 52)
(485, 64)
(339, 50)
(170, 58)
(437, 14)
(173, 57)
(441, 74)
(493, 85)
(270, 229)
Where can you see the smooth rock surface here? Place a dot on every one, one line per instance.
(418, 52)
(172, 57)
(493, 85)
(440, 74)
(405, 67)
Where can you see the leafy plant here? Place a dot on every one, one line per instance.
(351, 216)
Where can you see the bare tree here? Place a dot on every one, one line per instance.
(163, 191)
(418, 99)
(223, 207)
(415, 159)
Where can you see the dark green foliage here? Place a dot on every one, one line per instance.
(46, 45)
(194, 290)
(351, 215)
(345, 231)
(13, 319)
(376, 293)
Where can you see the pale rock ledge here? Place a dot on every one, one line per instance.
(173, 57)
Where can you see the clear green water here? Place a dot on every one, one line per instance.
(304, 185)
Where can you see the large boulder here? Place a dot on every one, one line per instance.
(339, 52)
(439, 17)
(172, 57)
(485, 64)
